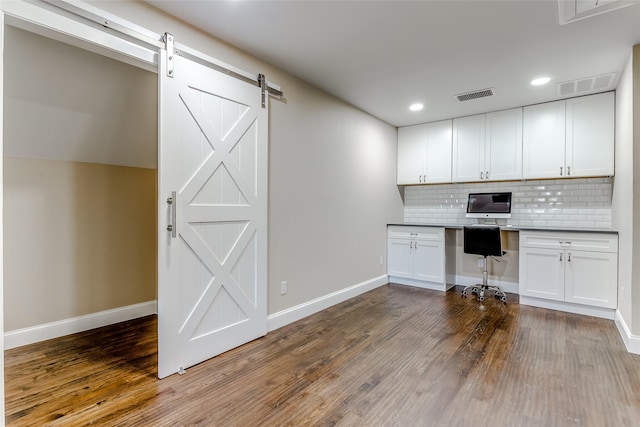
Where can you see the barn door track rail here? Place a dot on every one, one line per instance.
(136, 34)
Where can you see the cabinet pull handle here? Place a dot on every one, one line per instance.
(568, 170)
(411, 245)
(560, 170)
(560, 256)
(569, 258)
(481, 175)
(486, 175)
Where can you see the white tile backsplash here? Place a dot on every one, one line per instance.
(549, 203)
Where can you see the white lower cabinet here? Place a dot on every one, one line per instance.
(576, 272)
(591, 278)
(542, 273)
(416, 256)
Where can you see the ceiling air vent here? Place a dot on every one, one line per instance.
(586, 85)
(475, 94)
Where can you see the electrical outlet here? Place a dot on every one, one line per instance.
(284, 288)
(480, 263)
(381, 259)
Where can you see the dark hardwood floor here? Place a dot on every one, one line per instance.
(395, 356)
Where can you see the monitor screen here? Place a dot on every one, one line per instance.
(489, 205)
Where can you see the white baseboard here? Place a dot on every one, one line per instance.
(604, 313)
(290, 315)
(434, 286)
(510, 287)
(46, 331)
(632, 342)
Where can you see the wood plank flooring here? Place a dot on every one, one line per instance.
(395, 356)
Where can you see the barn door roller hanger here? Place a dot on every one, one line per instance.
(260, 81)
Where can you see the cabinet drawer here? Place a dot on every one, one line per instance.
(600, 242)
(416, 233)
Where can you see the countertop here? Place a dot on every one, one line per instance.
(518, 228)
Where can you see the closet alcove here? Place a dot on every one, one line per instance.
(80, 185)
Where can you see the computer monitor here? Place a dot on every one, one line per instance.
(489, 205)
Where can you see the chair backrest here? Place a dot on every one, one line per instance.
(482, 240)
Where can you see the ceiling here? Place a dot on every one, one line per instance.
(381, 56)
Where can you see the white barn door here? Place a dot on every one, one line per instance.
(212, 265)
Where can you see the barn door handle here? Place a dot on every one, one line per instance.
(171, 201)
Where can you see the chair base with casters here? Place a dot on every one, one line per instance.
(484, 240)
(480, 289)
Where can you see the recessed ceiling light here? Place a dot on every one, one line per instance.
(416, 107)
(540, 81)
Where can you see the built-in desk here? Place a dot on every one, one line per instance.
(566, 269)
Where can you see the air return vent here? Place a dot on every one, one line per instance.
(475, 94)
(586, 85)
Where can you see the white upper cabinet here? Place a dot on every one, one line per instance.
(543, 140)
(412, 149)
(468, 148)
(561, 139)
(572, 138)
(488, 147)
(503, 150)
(590, 135)
(438, 159)
(424, 153)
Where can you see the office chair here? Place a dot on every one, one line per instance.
(484, 240)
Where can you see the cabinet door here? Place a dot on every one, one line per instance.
(468, 149)
(592, 278)
(503, 145)
(412, 142)
(590, 134)
(399, 258)
(543, 140)
(542, 273)
(438, 152)
(428, 261)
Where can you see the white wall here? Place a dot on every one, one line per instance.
(626, 192)
(331, 176)
(635, 285)
(623, 185)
